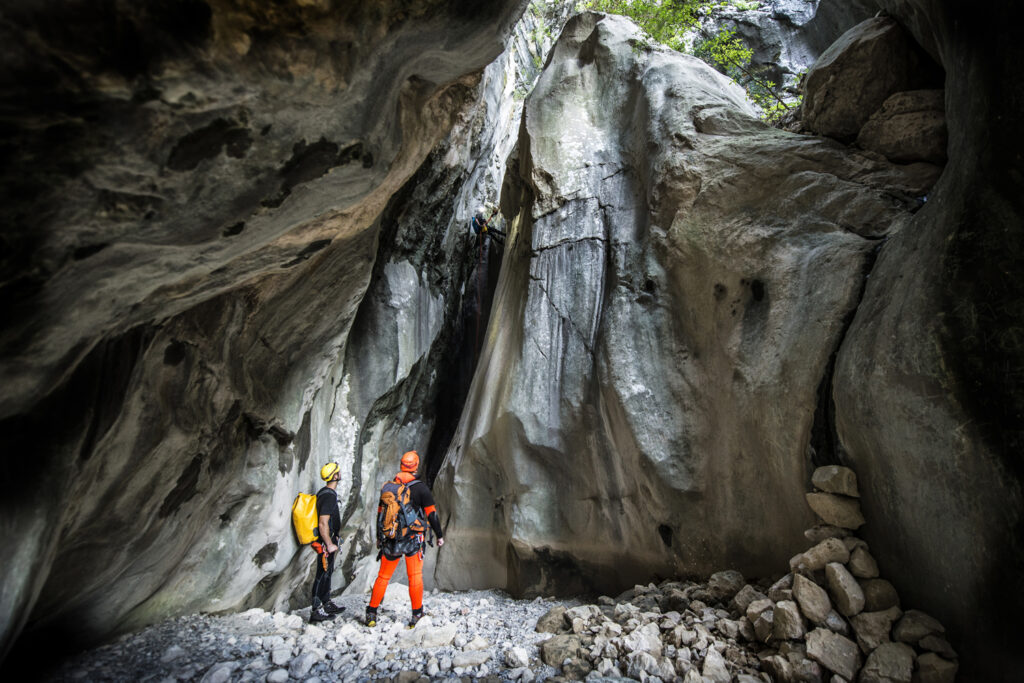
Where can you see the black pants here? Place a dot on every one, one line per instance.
(324, 570)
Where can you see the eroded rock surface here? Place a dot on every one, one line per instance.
(909, 126)
(192, 205)
(650, 374)
(937, 320)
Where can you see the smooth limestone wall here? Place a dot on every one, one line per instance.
(193, 209)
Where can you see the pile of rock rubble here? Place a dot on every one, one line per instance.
(830, 618)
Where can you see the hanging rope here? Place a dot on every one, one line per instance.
(480, 283)
(479, 294)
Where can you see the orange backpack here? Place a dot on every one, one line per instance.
(398, 518)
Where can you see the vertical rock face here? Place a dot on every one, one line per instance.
(191, 222)
(787, 36)
(928, 382)
(678, 279)
(414, 344)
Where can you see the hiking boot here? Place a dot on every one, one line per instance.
(332, 607)
(417, 614)
(319, 614)
(371, 617)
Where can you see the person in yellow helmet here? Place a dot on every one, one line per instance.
(481, 223)
(326, 545)
(419, 510)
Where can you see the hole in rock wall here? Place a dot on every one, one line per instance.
(265, 554)
(88, 250)
(207, 142)
(174, 354)
(665, 532)
(184, 489)
(235, 229)
(757, 290)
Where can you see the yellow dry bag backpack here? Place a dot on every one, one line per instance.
(304, 518)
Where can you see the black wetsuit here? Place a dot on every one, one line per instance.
(326, 504)
(480, 224)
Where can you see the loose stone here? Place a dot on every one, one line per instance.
(844, 589)
(940, 646)
(812, 598)
(932, 668)
(787, 622)
(836, 479)
(744, 597)
(834, 652)
(874, 628)
(819, 533)
(557, 649)
(862, 564)
(889, 663)
(829, 550)
(780, 590)
(715, 669)
(836, 510)
(724, 585)
(915, 625)
(301, 665)
(553, 621)
(517, 657)
(879, 595)
(764, 625)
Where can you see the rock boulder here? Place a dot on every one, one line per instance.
(909, 127)
(852, 79)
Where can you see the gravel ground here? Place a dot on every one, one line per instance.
(491, 636)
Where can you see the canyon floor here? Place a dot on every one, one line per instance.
(476, 635)
(258, 645)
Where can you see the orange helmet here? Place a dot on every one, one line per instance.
(410, 461)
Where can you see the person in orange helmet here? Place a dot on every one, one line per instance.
(405, 508)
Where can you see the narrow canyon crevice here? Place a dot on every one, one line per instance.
(825, 445)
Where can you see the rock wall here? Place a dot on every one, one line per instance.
(193, 193)
(928, 388)
(415, 342)
(679, 279)
(787, 36)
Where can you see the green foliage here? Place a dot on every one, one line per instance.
(668, 22)
(665, 22)
(544, 13)
(765, 95)
(725, 51)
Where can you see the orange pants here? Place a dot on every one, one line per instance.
(414, 569)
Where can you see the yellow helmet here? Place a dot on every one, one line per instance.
(328, 471)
